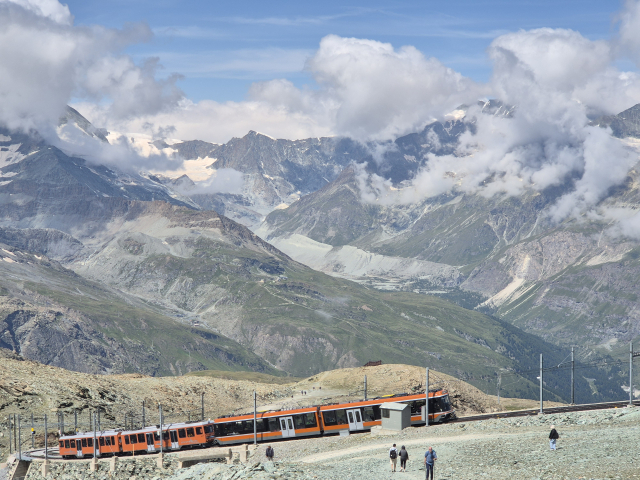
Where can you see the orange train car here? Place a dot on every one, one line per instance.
(301, 422)
(360, 416)
(81, 445)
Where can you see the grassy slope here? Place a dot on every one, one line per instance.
(145, 332)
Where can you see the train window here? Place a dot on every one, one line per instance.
(190, 432)
(299, 422)
(376, 412)
(141, 438)
(198, 430)
(274, 425)
(73, 444)
(132, 439)
(165, 435)
(107, 441)
(310, 420)
(341, 417)
(66, 444)
(102, 441)
(89, 442)
(350, 417)
(416, 407)
(385, 413)
(367, 414)
(208, 429)
(329, 417)
(84, 442)
(126, 439)
(182, 433)
(61, 444)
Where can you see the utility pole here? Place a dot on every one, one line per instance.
(426, 394)
(255, 420)
(15, 434)
(33, 434)
(499, 381)
(95, 446)
(19, 439)
(541, 410)
(202, 406)
(10, 433)
(573, 366)
(365, 388)
(61, 423)
(631, 355)
(161, 432)
(99, 422)
(46, 443)
(75, 421)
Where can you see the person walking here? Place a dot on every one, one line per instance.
(404, 456)
(430, 458)
(553, 436)
(269, 453)
(393, 457)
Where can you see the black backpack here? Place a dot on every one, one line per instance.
(393, 454)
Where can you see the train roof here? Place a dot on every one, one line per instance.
(104, 433)
(268, 414)
(380, 400)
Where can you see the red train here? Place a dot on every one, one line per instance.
(275, 425)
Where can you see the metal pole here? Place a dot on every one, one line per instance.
(255, 421)
(10, 433)
(572, 379)
(541, 409)
(75, 421)
(426, 403)
(631, 374)
(144, 420)
(499, 382)
(202, 406)
(32, 433)
(15, 434)
(61, 423)
(161, 432)
(19, 439)
(125, 421)
(365, 388)
(95, 446)
(99, 422)
(46, 444)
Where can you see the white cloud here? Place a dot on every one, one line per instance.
(45, 61)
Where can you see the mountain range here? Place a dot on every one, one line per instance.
(113, 271)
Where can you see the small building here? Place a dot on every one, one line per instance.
(395, 416)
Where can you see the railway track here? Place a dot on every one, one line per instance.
(53, 454)
(565, 409)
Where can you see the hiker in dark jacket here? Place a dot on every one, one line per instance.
(269, 453)
(404, 456)
(553, 436)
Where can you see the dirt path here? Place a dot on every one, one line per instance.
(321, 457)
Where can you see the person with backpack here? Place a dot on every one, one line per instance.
(269, 453)
(430, 458)
(553, 436)
(393, 456)
(404, 456)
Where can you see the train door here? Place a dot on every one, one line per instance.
(79, 453)
(355, 419)
(173, 434)
(286, 426)
(150, 443)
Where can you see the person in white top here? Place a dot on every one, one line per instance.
(393, 457)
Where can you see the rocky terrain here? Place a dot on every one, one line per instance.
(28, 387)
(515, 448)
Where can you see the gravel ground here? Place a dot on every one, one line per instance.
(593, 445)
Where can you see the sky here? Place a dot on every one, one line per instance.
(373, 72)
(221, 48)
